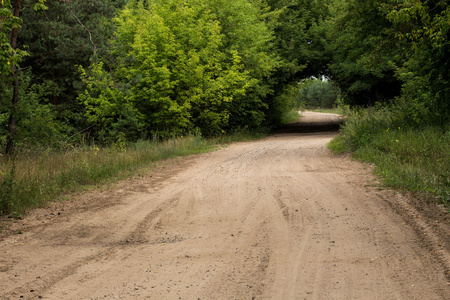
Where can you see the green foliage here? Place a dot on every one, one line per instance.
(107, 107)
(37, 124)
(247, 27)
(60, 40)
(364, 59)
(412, 158)
(163, 67)
(423, 29)
(8, 55)
(316, 93)
(186, 66)
(400, 51)
(362, 125)
(300, 38)
(39, 6)
(300, 31)
(284, 105)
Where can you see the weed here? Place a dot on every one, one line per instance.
(7, 190)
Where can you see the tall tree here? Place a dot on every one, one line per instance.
(300, 42)
(67, 35)
(10, 22)
(422, 31)
(8, 55)
(386, 49)
(56, 40)
(15, 76)
(300, 37)
(363, 64)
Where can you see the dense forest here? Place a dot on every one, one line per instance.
(108, 71)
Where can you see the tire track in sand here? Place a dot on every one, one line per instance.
(279, 218)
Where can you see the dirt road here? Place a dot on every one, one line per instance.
(279, 218)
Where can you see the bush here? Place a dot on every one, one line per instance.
(408, 154)
(37, 124)
(362, 125)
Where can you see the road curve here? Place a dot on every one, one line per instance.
(279, 218)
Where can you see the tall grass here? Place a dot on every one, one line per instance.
(412, 158)
(32, 179)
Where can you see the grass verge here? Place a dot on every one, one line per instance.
(412, 159)
(32, 179)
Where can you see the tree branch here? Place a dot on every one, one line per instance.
(79, 22)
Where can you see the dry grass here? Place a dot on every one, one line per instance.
(32, 179)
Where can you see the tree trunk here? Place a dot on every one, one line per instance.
(15, 98)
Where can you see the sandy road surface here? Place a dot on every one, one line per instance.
(279, 218)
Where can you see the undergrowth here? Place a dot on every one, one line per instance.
(31, 179)
(290, 116)
(412, 158)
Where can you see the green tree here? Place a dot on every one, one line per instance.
(364, 59)
(317, 93)
(67, 36)
(386, 49)
(300, 41)
(37, 125)
(300, 38)
(421, 29)
(248, 28)
(186, 65)
(11, 55)
(108, 109)
(61, 36)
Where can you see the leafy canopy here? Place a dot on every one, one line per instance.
(182, 66)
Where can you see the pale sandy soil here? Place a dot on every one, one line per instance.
(279, 218)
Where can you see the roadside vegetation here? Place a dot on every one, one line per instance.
(108, 75)
(406, 157)
(393, 72)
(32, 179)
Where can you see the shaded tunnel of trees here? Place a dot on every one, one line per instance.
(91, 71)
